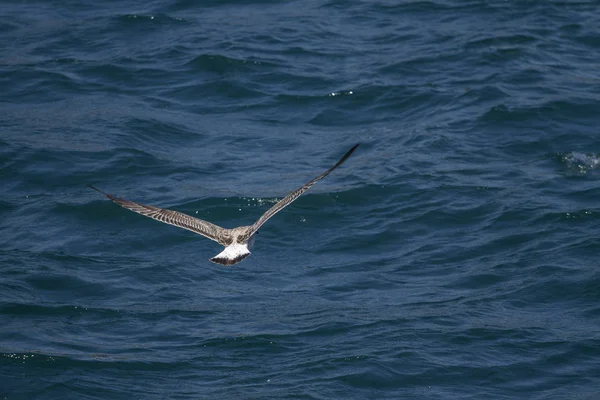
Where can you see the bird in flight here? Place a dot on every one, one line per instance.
(237, 241)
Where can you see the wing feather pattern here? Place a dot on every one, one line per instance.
(174, 218)
(287, 200)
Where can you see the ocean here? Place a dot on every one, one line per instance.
(453, 256)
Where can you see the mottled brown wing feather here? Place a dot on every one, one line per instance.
(287, 200)
(174, 218)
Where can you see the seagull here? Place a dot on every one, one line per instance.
(237, 241)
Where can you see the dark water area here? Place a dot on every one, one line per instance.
(454, 255)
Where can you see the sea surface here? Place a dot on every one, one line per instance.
(455, 255)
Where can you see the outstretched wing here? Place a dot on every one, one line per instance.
(171, 217)
(287, 200)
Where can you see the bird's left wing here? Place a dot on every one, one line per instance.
(174, 218)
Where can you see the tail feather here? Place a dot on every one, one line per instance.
(232, 254)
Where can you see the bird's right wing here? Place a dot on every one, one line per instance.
(174, 218)
(287, 200)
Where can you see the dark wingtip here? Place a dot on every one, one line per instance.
(104, 193)
(95, 188)
(353, 148)
(348, 154)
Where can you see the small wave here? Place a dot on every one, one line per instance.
(580, 163)
(259, 201)
(221, 64)
(341, 93)
(150, 18)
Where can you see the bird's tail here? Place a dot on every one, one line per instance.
(232, 254)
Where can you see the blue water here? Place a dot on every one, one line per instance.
(453, 256)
